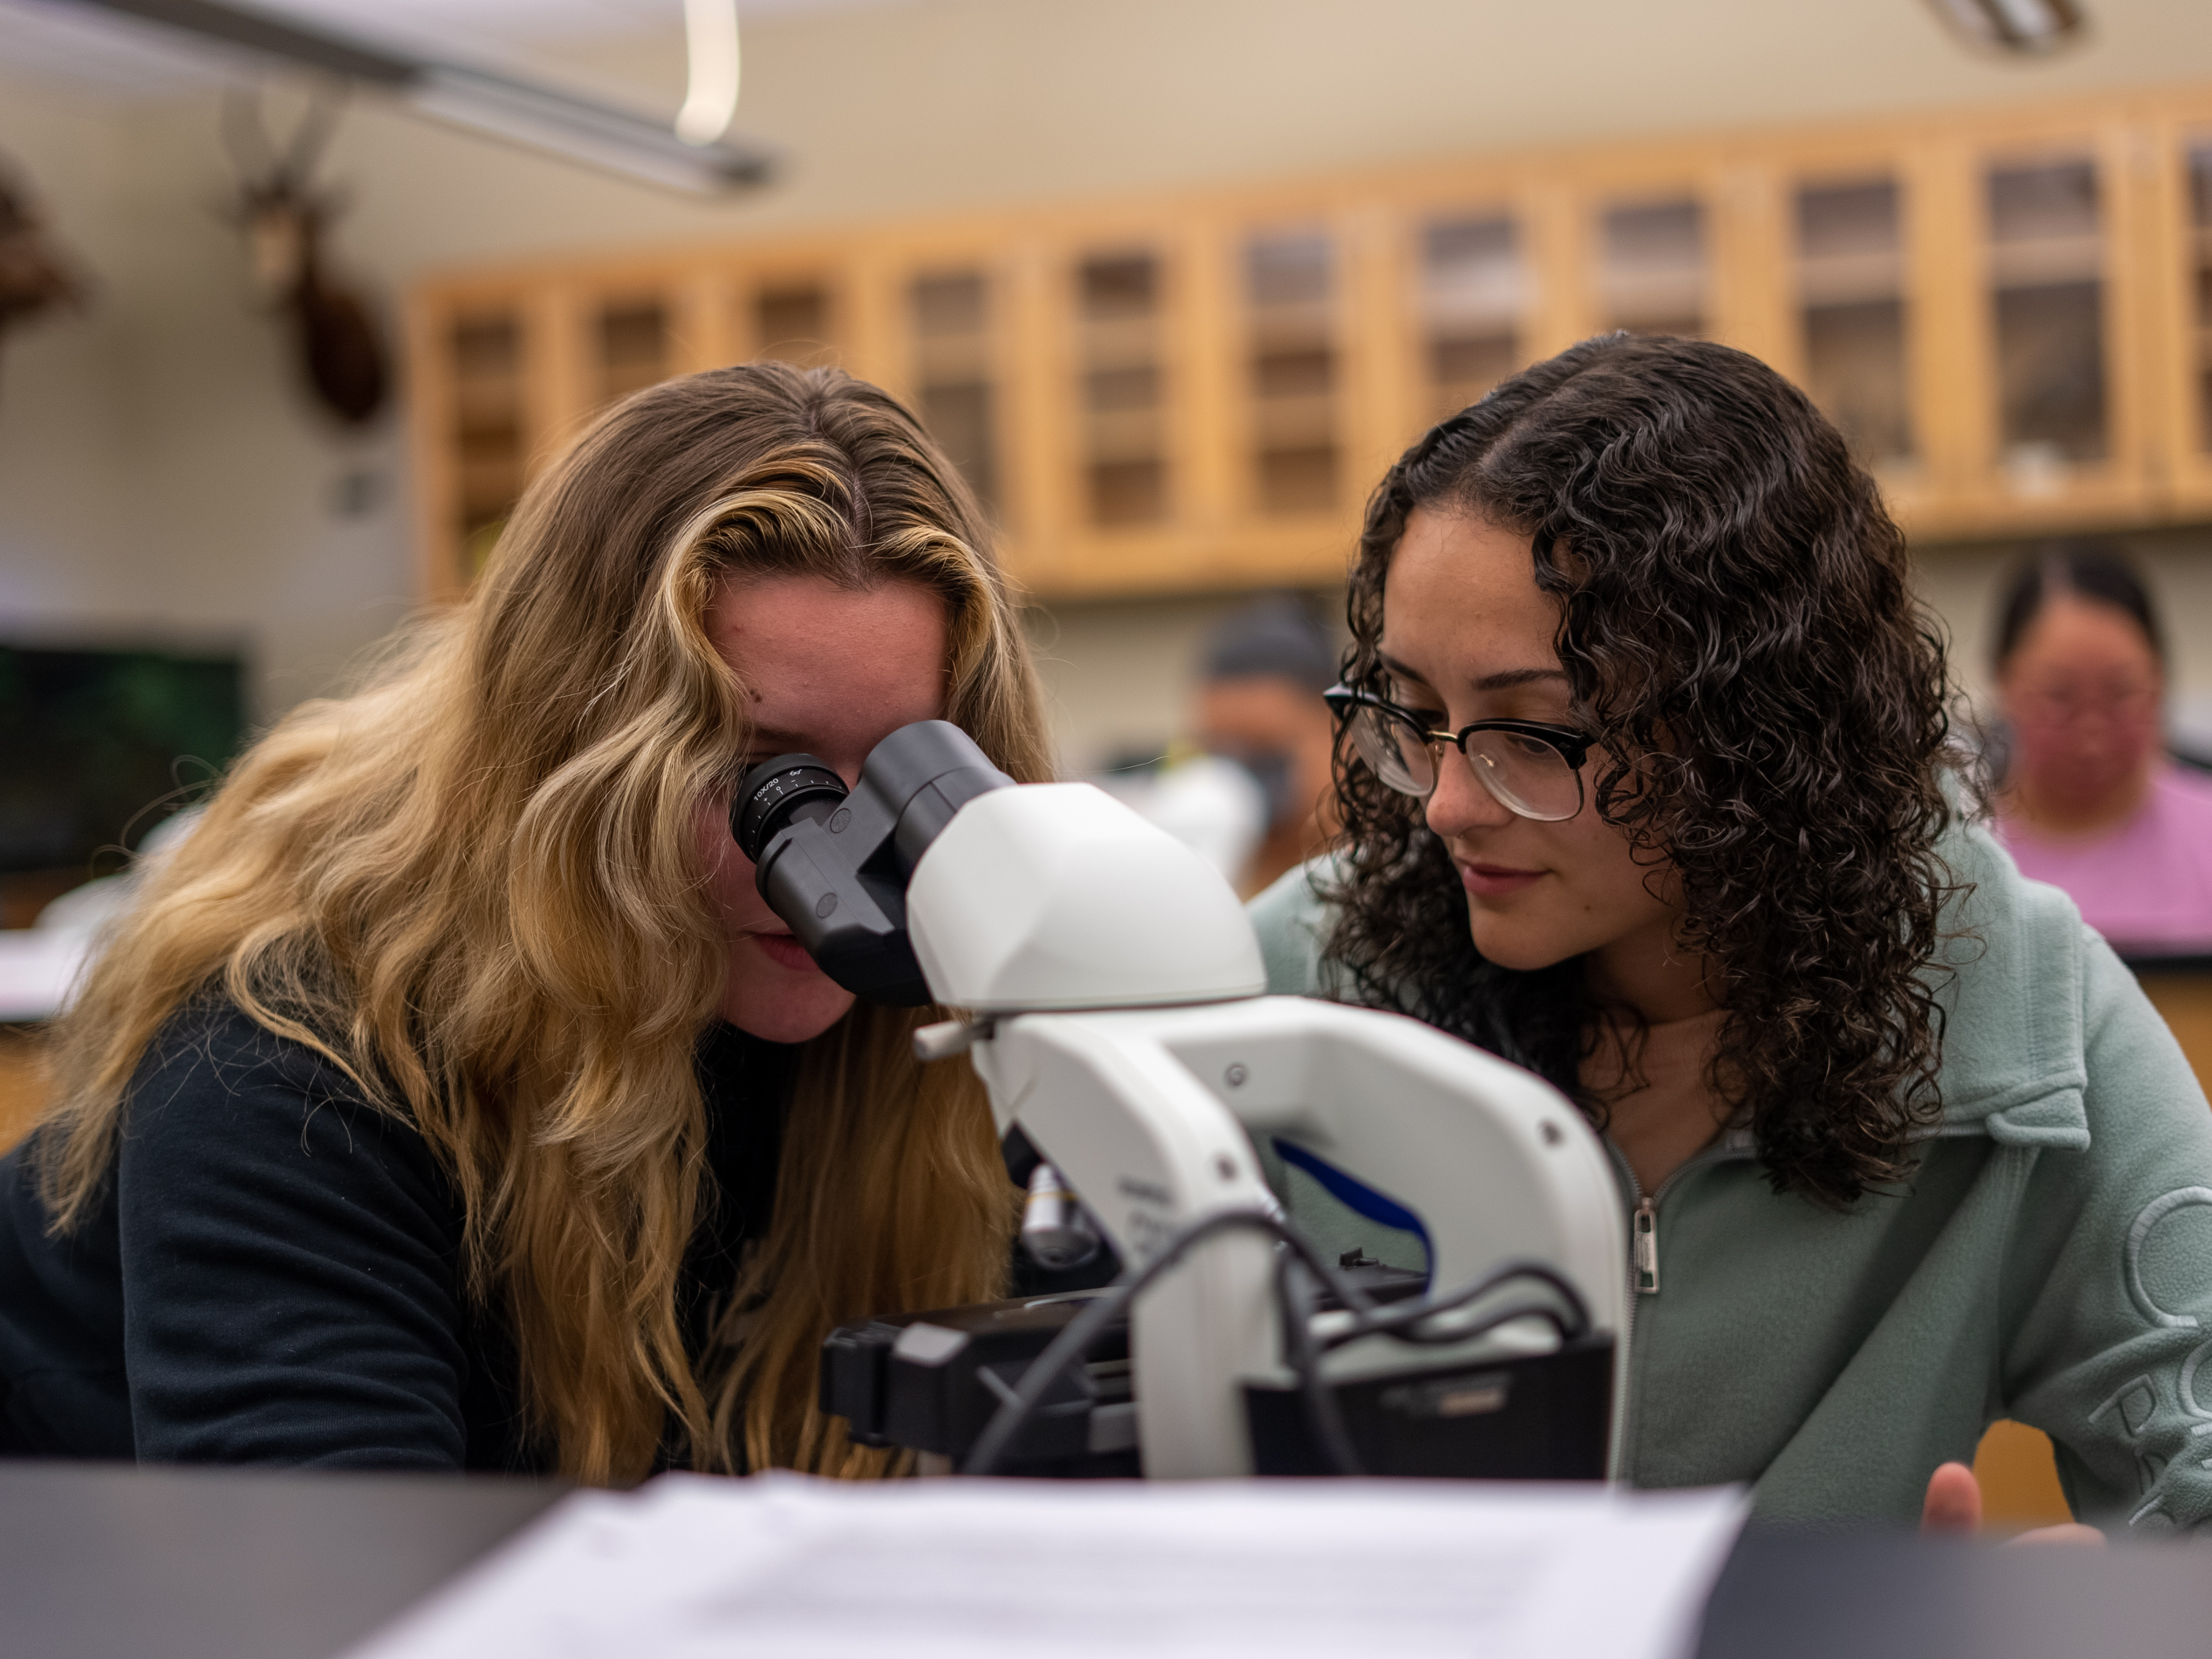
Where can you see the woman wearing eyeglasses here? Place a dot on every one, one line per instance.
(1644, 772)
(2090, 801)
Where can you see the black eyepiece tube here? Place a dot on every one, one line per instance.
(834, 865)
(776, 792)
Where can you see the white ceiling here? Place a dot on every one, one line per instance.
(885, 107)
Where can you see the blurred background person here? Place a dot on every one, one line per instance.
(1258, 703)
(1248, 783)
(2090, 800)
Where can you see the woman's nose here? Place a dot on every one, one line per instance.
(1460, 804)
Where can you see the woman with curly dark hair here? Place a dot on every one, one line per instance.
(1644, 781)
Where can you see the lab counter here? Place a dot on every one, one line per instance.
(103, 1561)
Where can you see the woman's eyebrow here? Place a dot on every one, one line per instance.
(1506, 679)
(1503, 680)
(1399, 668)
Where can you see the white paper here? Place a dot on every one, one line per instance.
(780, 1564)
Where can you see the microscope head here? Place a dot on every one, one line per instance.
(936, 880)
(835, 864)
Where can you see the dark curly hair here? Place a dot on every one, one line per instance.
(1739, 635)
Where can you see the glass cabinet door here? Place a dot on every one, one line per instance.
(488, 444)
(950, 318)
(1850, 296)
(1119, 305)
(1474, 299)
(1653, 274)
(1289, 283)
(2047, 302)
(633, 347)
(793, 322)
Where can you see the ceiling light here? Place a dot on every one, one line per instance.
(544, 118)
(2023, 27)
(710, 47)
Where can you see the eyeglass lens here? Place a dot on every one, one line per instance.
(1524, 774)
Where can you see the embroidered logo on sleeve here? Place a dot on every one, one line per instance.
(2153, 1212)
(2136, 1406)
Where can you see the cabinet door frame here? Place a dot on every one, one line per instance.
(1772, 174)
(2180, 333)
(2118, 487)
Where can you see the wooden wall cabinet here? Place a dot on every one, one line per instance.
(2007, 311)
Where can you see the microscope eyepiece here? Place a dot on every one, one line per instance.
(834, 863)
(773, 795)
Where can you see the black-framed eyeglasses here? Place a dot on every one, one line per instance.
(1529, 768)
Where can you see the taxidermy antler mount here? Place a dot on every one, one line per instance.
(34, 276)
(285, 220)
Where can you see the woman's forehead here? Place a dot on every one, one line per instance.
(1460, 600)
(810, 651)
(2072, 628)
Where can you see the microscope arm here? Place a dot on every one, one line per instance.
(1151, 1115)
(1151, 1151)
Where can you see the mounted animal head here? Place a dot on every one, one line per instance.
(34, 275)
(285, 219)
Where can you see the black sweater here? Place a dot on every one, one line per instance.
(274, 1273)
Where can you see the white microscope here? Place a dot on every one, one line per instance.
(1117, 1020)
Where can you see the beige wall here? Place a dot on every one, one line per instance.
(163, 475)
(63, 404)
(161, 470)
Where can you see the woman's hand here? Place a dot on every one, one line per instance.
(1954, 1505)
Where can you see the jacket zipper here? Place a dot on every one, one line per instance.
(1643, 1269)
(1644, 1221)
(1644, 1252)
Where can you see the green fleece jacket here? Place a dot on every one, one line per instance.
(2050, 1259)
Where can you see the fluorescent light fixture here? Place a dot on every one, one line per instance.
(2024, 27)
(540, 116)
(543, 119)
(710, 46)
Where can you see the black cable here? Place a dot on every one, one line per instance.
(1080, 1332)
(1324, 1422)
(1405, 1319)
(1076, 1338)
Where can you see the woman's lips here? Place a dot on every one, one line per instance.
(1494, 880)
(785, 951)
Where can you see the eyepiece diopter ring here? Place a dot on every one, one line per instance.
(771, 794)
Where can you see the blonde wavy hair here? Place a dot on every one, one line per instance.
(473, 886)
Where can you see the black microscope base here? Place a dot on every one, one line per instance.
(1533, 1417)
(1539, 1416)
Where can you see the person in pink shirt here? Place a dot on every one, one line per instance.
(2089, 800)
